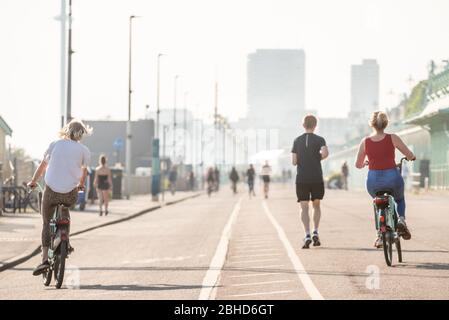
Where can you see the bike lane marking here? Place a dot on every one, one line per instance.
(211, 278)
(312, 291)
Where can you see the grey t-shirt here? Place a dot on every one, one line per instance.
(307, 148)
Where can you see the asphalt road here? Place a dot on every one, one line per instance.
(233, 247)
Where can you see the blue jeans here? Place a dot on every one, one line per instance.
(387, 179)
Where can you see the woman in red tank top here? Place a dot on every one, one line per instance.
(378, 153)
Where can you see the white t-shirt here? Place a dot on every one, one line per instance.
(65, 159)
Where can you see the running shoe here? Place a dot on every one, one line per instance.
(307, 242)
(316, 240)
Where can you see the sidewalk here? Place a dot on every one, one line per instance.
(20, 233)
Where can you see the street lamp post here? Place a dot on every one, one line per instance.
(174, 116)
(155, 161)
(128, 123)
(164, 134)
(69, 68)
(158, 92)
(185, 126)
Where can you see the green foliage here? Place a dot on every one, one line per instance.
(416, 102)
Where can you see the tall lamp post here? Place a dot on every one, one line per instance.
(156, 161)
(69, 68)
(128, 123)
(174, 116)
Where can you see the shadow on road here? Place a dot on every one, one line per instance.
(239, 270)
(426, 266)
(127, 287)
(380, 250)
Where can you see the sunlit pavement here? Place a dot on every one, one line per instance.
(232, 247)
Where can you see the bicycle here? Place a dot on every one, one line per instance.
(59, 243)
(386, 219)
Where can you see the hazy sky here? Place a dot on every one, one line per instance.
(202, 39)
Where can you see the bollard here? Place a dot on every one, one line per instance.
(416, 182)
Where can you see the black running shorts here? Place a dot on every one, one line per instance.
(309, 191)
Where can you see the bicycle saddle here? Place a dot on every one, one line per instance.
(384, 191)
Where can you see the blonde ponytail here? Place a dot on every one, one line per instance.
(379, 120)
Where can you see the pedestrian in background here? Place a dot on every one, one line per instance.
(103, 184)
(344, 175)
(210, 179)
(250, 176)
(191, 180)
(172, 178)
(234, 177)
(217, 179)
(266, 172)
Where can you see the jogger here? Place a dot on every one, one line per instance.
(307, 152)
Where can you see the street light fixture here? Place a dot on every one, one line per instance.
(174, 116)
(128, 123)
(158, 92)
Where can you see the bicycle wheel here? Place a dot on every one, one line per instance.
(33, 202)
(60, 264)
(387, 241)
(9, 201)
(399, 249)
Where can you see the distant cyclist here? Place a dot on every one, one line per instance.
(65, 162)
(380, 148)
(250, 176)
(266, 173)
(307, 152)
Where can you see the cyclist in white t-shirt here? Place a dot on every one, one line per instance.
(65, 163)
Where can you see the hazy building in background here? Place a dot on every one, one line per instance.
(109, 138)
(276, 90)
(364, 89)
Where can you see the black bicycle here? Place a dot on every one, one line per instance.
(59, 246)
(59, 242)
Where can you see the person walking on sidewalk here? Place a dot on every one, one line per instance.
(172, 177)
(65, 163)
(344, 175)
(103, 183)
(307, 152)
(250, 176)
(217, 179)
(210, 179)
(266, 172)
(234, 177)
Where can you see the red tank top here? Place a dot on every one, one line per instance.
(381, 153)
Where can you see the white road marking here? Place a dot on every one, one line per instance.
(252, 261)
(260, 293)
(153, 260)
(259, 283)
(300, 270)
(252, 247)
(255, 274)
(259, 250)
(212, 275)
(253, 241)
(257, 255)
(263, 267)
